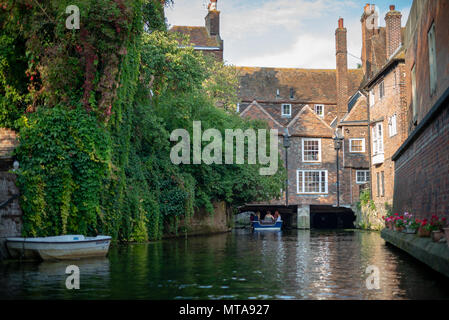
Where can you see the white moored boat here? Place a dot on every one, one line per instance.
(58, 248)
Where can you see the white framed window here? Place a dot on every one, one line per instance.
(319, 110)
(432, 59)
(392, 129)
(312, 181)
(357, 145)
(378, 142)
(362, 176)
(311, 150)
(286, 110)
(371, 98)
(381, 90)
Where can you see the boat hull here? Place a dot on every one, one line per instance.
(52, 248)
(258, 226)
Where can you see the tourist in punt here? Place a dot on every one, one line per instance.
(257, 217)
(268, 217)
(277, 216)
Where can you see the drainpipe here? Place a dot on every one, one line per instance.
(366, 94)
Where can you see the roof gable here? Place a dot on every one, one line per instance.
(256, 112)
(308, 123)
(358, 111)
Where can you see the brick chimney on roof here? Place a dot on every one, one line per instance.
(370, 27)
(342, 69)
(393, 30)
(213, 19)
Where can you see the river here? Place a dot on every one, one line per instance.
(293, 264)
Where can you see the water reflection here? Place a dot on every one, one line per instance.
(297, 264)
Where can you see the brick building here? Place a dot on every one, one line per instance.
(205, 38)
(422, 161)
(367, 107)
(387, 103)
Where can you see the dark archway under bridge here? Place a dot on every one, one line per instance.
(330, 217)
(321, 216)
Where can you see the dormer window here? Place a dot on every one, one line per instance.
(278, 94)
(319, 110)
(286, 110)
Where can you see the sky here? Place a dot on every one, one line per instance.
(284, 33)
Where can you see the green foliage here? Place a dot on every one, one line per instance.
(64, 160)
(365, 199)
(102, 101)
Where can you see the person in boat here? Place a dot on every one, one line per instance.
(268, 217)
(277, 216)
(257, 216)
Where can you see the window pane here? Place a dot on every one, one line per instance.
(311, 150)
(356, 145)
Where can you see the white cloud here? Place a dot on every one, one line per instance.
(280, 33)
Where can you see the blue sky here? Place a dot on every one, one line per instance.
(284, 33)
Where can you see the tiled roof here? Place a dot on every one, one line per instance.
(309, 85)
(198, 36)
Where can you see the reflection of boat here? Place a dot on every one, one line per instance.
(58, 248)
(267, 226)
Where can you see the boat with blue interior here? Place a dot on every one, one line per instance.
(266, 226)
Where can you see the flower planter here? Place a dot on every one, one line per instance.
(446, 234)
(423, 232)
(409, 231)
(437, 235)
(398, 229)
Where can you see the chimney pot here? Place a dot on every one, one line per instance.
(340, 23)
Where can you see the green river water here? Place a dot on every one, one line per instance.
(293, 264)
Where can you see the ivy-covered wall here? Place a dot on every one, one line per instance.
(95, 107)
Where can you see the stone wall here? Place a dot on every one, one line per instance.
(204, 223)
(10, 214)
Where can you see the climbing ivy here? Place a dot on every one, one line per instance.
(95, 108)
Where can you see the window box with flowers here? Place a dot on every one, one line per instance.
(427, 227)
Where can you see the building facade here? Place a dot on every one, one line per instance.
(368, 108)
(422, 161)
(387, 111)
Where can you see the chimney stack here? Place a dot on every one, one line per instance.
(213, 19)
(393, 30)
(370, 26)
(342, 70)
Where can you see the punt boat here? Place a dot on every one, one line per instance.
(267, 226)
(66, 247)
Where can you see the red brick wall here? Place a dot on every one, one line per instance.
(422, 169)
(422, 14)
(422, 172)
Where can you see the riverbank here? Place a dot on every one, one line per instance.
(435, 255)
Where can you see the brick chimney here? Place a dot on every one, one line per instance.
(213, 19)
(393, 30)
(342, 69)
(370, 27)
